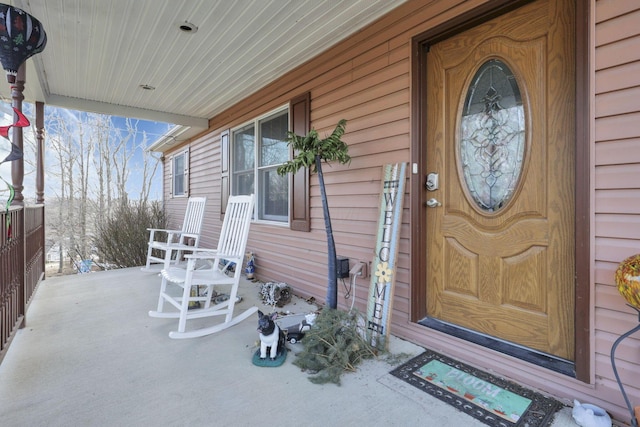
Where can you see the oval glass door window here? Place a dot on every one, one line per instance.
(492, 136)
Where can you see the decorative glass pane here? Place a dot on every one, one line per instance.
(492, 136)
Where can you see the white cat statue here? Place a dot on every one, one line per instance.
(587, 415)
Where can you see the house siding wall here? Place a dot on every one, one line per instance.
(617, 190)
(366, 80)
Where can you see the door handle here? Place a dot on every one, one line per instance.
(432, 203)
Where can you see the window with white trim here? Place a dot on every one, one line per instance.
(258, 148)
(179, 174)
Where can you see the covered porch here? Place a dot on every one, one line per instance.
(90, 355)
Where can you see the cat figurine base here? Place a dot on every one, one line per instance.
(272, 342)
(587, 415)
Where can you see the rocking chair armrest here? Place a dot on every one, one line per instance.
(201, 253)
(178, 247)
(172, 235)
(153, 230)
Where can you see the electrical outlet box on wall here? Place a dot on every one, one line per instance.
(342, 268)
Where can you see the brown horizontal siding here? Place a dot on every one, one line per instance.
(627, 360)
(627, 350)
(622, 27)
(607, 297)
(378, 87)
(359, 110)
(618, 53)
(619, 226)
(363, 213)
(615, 250)
(618, 127)
(618, 152)
(609, 388)
(618, 176)
(604, 272)
(376, 138)
(388, 117)
(618, 201)
(611, 9)
(618, 102)
(619, 77)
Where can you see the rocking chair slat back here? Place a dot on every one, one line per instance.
(235, 227)
(194, 216)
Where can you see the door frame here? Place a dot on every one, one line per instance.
(581, 368)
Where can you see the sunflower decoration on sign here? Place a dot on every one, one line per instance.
(383, 272)
(628, 280)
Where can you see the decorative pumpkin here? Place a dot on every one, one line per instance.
(628, 280)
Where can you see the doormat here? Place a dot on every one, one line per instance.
(490, 399)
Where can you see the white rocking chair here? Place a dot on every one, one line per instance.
(231, 249)
(177, 242)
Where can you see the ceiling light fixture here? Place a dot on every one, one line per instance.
(188, 27)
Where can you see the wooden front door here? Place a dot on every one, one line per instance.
(500, 218)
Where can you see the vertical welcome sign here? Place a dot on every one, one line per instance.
(383, 278)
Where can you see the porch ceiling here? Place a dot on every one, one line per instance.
(99, 53)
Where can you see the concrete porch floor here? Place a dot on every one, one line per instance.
(91, 356)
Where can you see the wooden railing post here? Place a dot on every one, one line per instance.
(40, 152)
(17, 166)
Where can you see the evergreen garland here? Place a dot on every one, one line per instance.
(334, 344)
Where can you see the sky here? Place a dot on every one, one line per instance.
(147, 133)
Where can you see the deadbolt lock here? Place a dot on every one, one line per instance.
(431, 183)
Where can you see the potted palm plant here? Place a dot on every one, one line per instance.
(310, 152)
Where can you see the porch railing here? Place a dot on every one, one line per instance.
(22, 263)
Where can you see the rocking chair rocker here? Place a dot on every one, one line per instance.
(216, 271)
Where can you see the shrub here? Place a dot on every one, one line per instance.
(122, 239)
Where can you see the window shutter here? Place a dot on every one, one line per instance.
(300, 120)
(224, 172)
(171, 184)
(186, 172)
